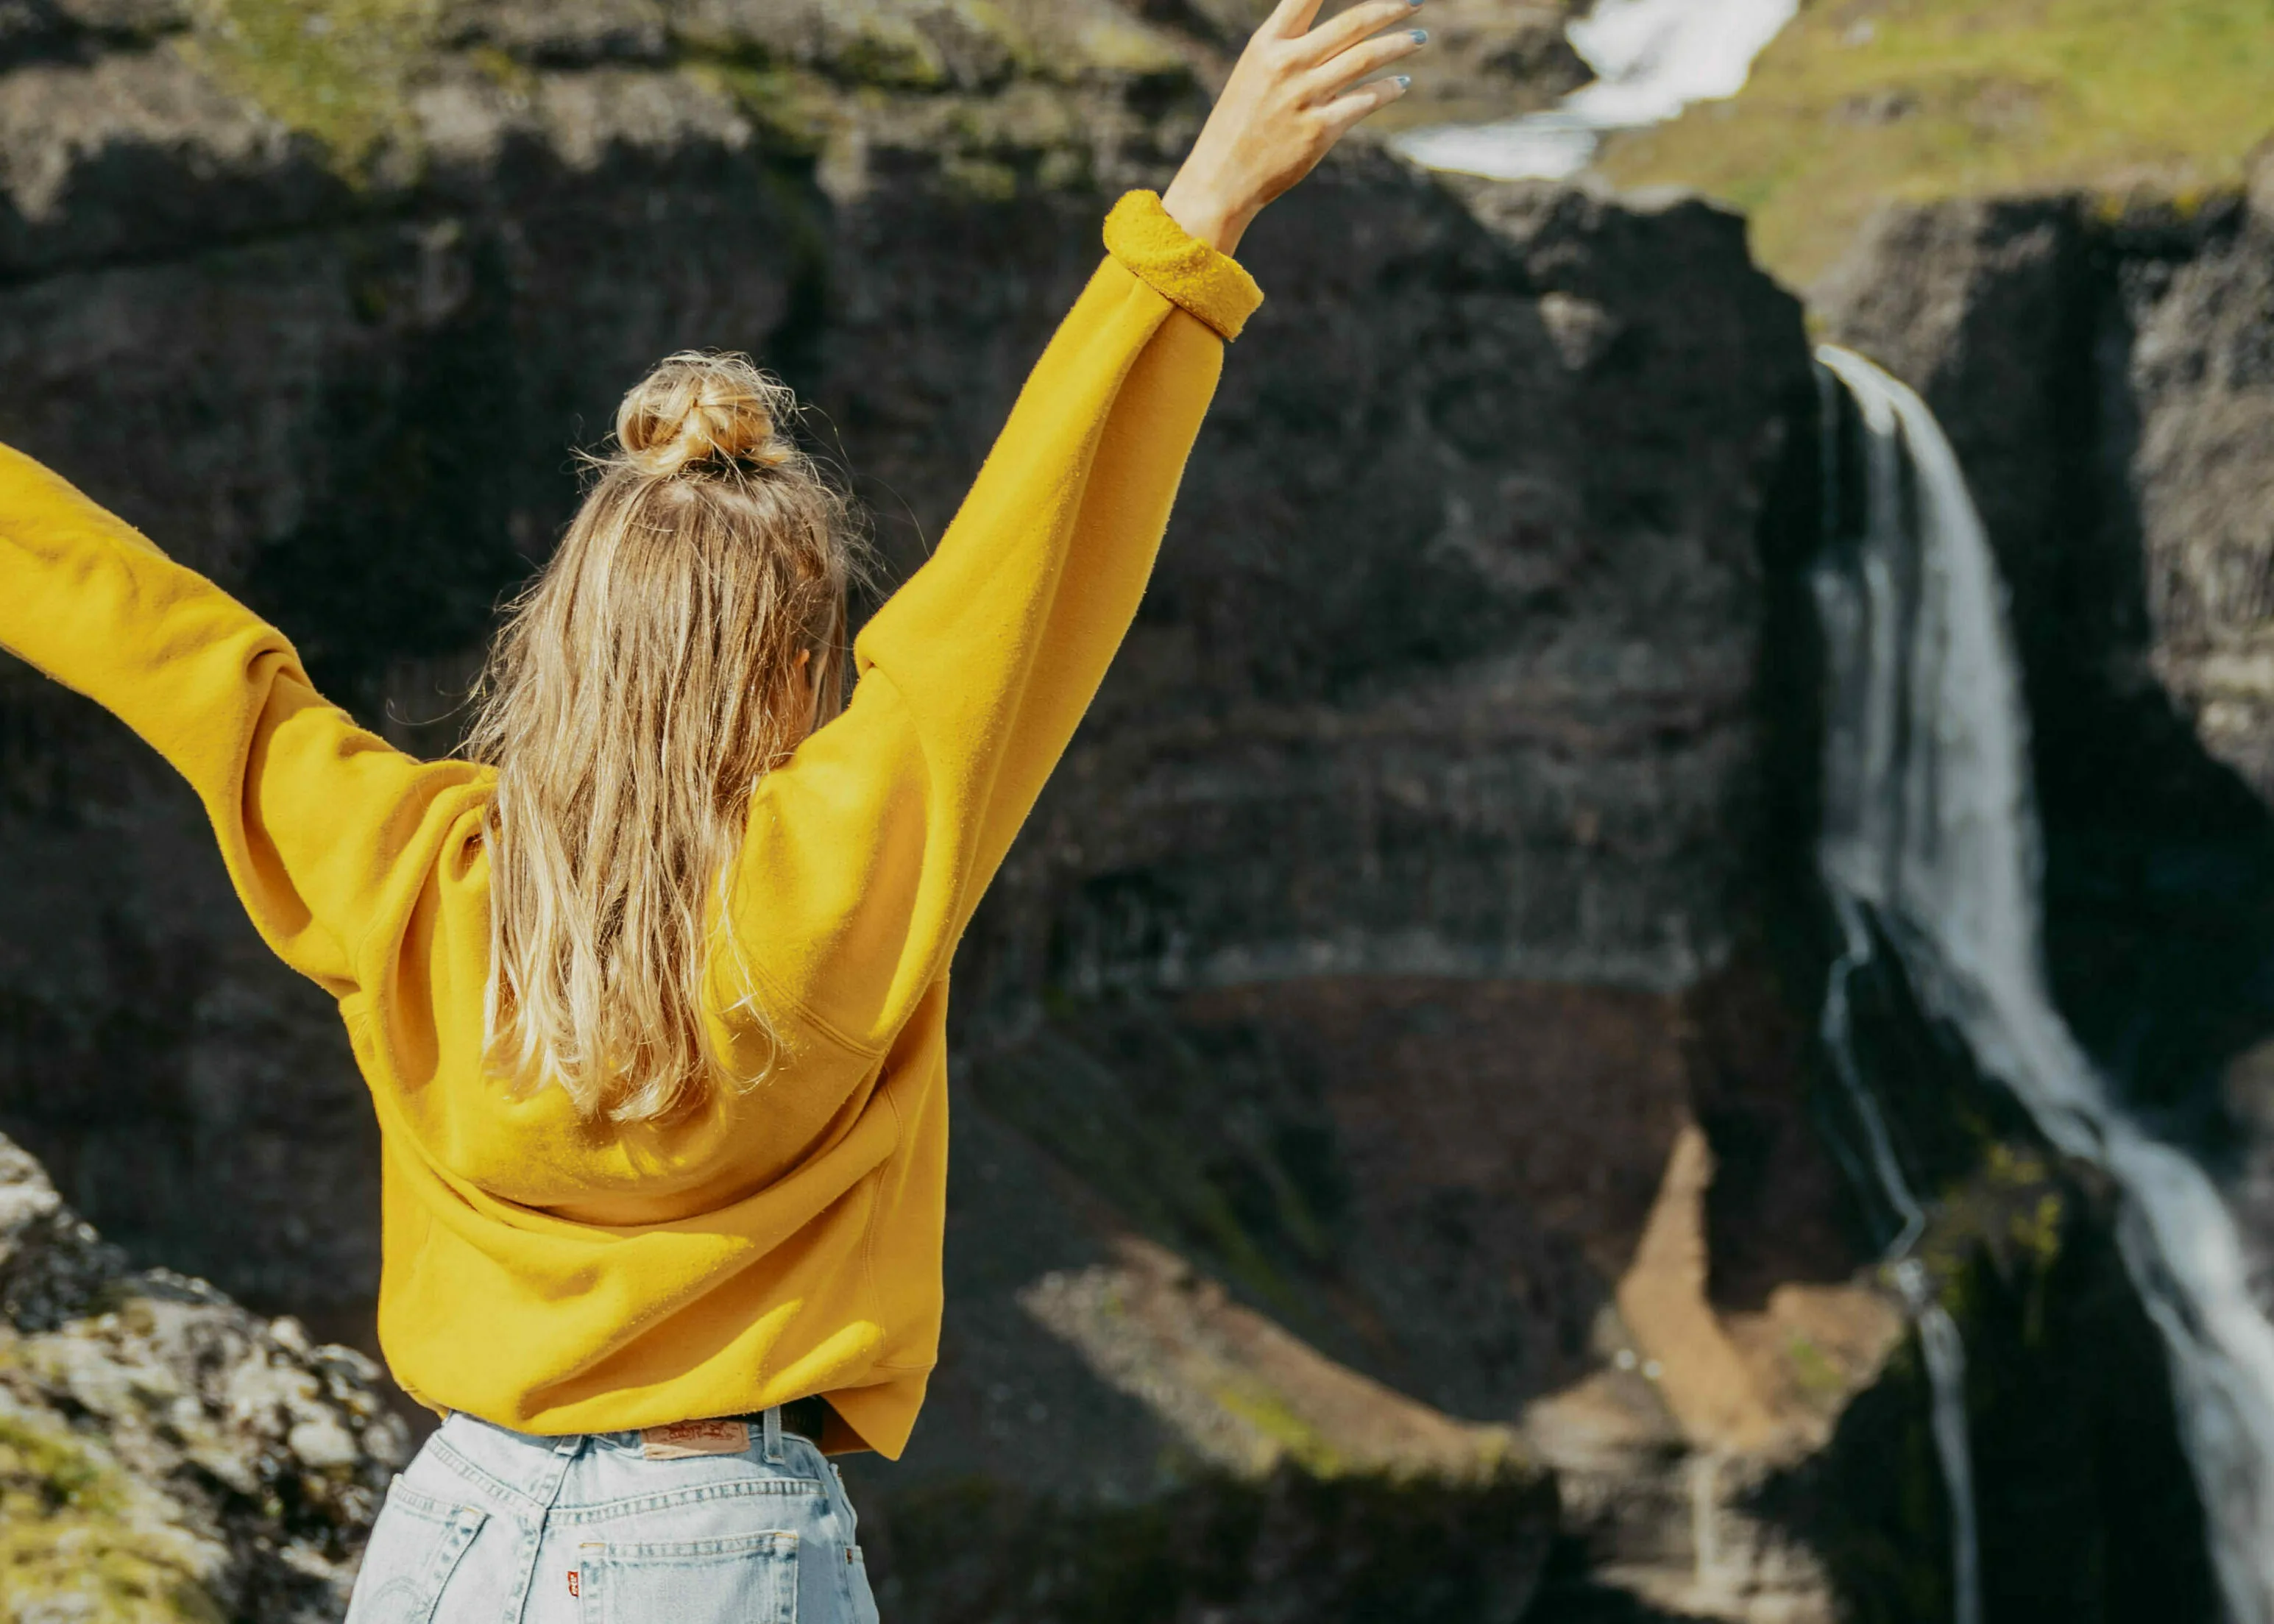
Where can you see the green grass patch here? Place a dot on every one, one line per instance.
(1863, 102)
(1819, 1377)
(1276, 1419)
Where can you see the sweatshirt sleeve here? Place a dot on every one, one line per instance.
(869, 850)
(314, 814)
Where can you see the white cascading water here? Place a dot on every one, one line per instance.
(1858, 606)
(1651, 59)
(1931, 831)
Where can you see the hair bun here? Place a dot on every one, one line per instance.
(706, 411)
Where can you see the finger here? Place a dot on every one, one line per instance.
(1324, 83)
(1338, 34)
(1339, 114)
(1292, 18)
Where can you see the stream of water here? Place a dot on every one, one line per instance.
(1930, 835)
(1651, 59)
(1861, 605)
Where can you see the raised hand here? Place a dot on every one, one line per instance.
(1296, 91)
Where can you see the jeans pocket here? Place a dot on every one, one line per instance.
(742, 1579)
(414, 1548)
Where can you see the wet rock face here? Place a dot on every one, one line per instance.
(2106, 385)
(163, 1453)
(2105, 382)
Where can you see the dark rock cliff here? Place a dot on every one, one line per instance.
(1348, 1050)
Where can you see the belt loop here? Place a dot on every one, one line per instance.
(772, 1422)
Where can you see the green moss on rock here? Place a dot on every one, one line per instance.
(889, 50)
(79, 1538)
(339, 71)
(2069, 1426)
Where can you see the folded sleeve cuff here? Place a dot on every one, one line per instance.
(1179, 267)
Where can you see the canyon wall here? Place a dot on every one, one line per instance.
(1373, 1068)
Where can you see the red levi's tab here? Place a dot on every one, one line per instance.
(681, 1438)
(572, 1582)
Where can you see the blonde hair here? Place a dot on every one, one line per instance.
(641, 687)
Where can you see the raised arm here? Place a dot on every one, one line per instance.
(869, 851)
(313, 815)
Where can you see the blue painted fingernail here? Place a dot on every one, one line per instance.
(1420, 37)
(1405, 80)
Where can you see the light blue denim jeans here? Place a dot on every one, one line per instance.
(488, 1526)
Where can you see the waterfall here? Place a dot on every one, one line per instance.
(1944, 1349)
(1651, 59)
(1931, 832)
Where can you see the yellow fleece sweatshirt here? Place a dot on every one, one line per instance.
(556, 1276)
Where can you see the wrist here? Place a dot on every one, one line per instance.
(1205, 217)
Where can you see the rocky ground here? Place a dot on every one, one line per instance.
(164, 1456)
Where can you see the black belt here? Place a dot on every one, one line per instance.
(808, 1418)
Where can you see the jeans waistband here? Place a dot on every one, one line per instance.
(524, 1473)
